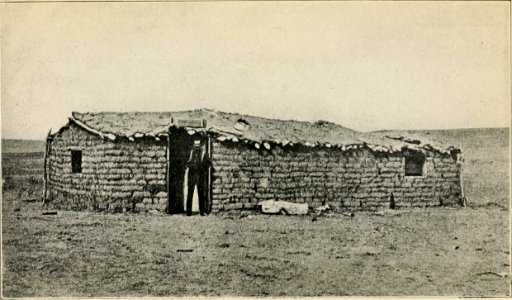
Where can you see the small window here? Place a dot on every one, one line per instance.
(76, 161)
(414, 164)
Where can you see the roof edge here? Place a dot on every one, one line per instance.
(222, 134)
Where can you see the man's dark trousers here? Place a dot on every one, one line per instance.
(196, 177)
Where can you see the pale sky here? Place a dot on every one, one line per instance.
(364, 65)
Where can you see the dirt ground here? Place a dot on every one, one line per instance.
(434, 251)
(437, 251)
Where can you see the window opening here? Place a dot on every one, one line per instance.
(414, 164)
(76, 161)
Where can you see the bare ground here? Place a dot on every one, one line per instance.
(437, 251)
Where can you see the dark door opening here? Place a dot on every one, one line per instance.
(183, 155)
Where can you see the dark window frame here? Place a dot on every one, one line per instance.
(414, 164)
(76, 161)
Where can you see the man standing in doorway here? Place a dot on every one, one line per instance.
(197, 172)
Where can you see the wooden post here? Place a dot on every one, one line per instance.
(463, 201)
(45, 166)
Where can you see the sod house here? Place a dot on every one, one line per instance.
(136, 161)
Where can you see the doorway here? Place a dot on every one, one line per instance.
(181, 146)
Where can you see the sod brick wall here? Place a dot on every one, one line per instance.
(353, 180)
(116, 176)
(124, 176)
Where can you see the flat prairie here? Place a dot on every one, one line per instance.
(434, 251)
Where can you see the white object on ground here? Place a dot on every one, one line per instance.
(289, 208)
(323, 208)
